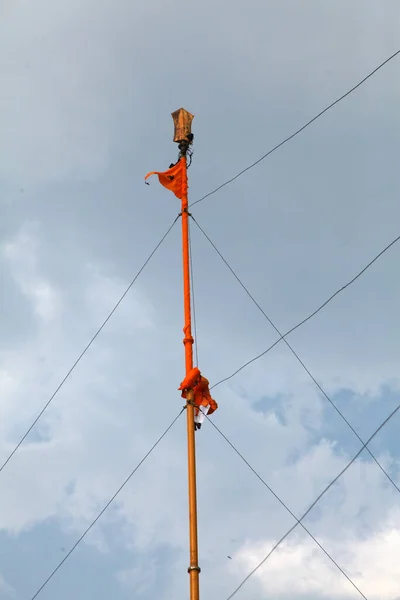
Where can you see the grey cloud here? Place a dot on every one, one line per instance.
(88, 93)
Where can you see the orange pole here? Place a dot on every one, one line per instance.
(194, 569)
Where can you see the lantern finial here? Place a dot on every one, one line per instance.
(183, 128)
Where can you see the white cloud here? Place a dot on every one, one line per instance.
(99, 426)
(21, 255)
(7, 590)
(371, 563)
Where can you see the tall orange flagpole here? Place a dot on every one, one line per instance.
(183, 136)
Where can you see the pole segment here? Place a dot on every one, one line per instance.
(194, 569)
(182, 120)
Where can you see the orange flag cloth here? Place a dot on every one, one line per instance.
(173, 179)
(202, 396)
(191, 379)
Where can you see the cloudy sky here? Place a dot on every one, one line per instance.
(87, 91)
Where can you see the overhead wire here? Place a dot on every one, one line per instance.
(296, 355)
(285, 506)
(106, 506)
(86, 348)
(290, 137)
(310, 316)
(315, 502)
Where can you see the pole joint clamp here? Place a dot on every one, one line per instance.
(194, 568)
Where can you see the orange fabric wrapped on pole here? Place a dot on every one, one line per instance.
(174, 179)
(191, 379)
(202, 395)
(205, 404)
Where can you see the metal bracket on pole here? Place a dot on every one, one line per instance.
(193, 568)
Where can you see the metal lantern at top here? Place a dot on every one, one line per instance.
(182, 125)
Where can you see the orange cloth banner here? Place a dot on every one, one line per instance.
(202, 396)
(191, 379)
(172, 179)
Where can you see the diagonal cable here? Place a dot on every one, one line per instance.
(285, 506)
(307, 370)
(298, 130)
(106, 506)
(86, 348)
(311, 315)
(315, 501)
